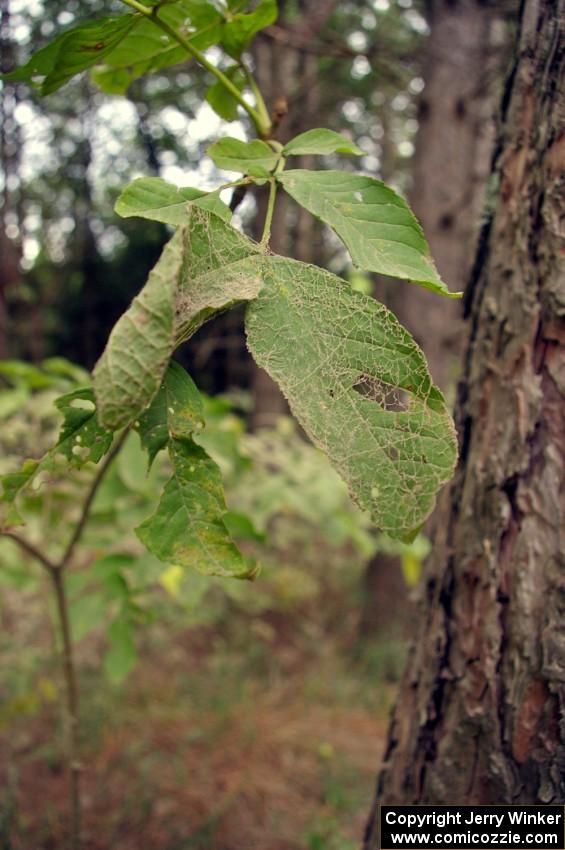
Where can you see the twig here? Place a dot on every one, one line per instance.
(32, 550)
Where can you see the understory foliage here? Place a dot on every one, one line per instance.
(354, 378)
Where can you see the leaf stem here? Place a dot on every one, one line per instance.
(261, 121)
(269, 215)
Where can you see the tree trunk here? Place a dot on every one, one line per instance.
(479, 717)
(461, 69)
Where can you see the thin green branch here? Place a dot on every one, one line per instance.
(269, 215)
(261, 105)
(262, 123)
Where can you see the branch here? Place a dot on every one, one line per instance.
(149, 12)
(32, 550)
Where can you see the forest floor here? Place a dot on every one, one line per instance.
(272, 742)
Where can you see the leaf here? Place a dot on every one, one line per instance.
(87, 614)
(72, 52)
(359, 386)
(256, 158)
(121, 658)
(81, 438)
(377, 226)
(320, 142)
(188, 527)
(241, 27)
(157, 200)
(207, 266)
(176, 408)
(222, 102)
(148, 49)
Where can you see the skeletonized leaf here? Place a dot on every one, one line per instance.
(256, 158)
(359, 385)
(377, 226)
(321, 142)
(206, 267)
(188, 527)
(155, 199)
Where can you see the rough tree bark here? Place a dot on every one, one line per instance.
(479, 718)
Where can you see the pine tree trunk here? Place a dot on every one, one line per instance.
(479, 717)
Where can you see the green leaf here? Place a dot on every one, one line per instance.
(72, 52)
(321, 142)
(188, 528)
(87, 614)
(81, 438)
(377, 226)
(206, 267)
(359, 386)
(148, 49)
(121, 658)
(241, 27)
(176, 409)
(256, 158)
(155, 199)
(220, 99)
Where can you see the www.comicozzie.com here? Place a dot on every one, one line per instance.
(472, 827)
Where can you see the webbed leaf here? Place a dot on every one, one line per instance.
(188, 527)
(359, 386)
(206, 267)
(377, 226)
(321, 142)
(155, 199)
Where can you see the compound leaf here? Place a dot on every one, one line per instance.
(377, 226)
(359, 385)
(321, 142)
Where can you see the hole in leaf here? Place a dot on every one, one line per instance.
(390, 398)
(83, 404)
